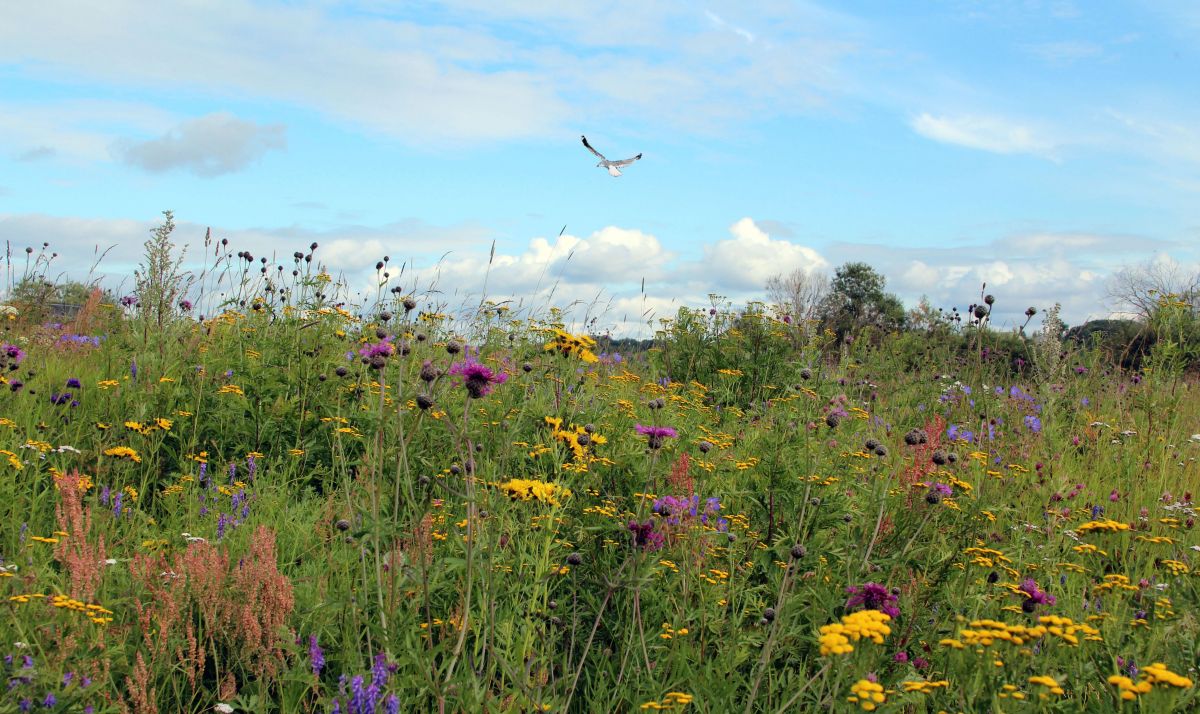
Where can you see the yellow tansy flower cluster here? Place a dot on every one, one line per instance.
(867, 694)
(1107, 524)
(924, 686)
(1153, 674)
(835, 638)
(534, 490)
(671, 700)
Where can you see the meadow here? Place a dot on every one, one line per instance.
(303, 503)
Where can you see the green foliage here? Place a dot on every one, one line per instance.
(160, 279)
(857, 299)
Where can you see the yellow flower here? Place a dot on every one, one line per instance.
(124, 452)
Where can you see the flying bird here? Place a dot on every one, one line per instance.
(614, 167)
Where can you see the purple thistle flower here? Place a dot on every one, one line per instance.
(74, 383)
(384, 348)
(1034, 596)
(655, 434)
(185, 305)
(872, 596)
(129, 301)
(477, 377)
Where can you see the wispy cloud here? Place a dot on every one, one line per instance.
(1065, 52)
(207, 146)
(994, 134)
(454, 72)
(37, 153)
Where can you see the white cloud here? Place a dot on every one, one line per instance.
(987, 133)
(745, 261)
(207, 146)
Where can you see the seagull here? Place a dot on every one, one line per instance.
(614, 167)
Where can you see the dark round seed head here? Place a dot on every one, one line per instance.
(409, 304)
(574, 559)
(989, 299)
(833, 420)
(342, 524)
(799, 551)
(881, 450)
(952, 457)
(341, 371)
(806, 373)
(769, 614)
(453, 348)
(912, 438)
(870, 445)
(424, 401)
(527, 368)
(980, 312)
(939, 457)
(705, 446)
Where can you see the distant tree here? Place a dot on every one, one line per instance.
(798, 293)
(35, 294)
(857, 299)
(1136, 289)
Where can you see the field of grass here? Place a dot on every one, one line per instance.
(294, 506)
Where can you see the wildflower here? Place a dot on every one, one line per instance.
(1034, 596)
(867, 694)
(316, 655)
(655, 434)
(645, 537)
(123, 452)
(477, 377)
(872, 596)
(74, 383)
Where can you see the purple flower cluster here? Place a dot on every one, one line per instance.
(368, 697)
(872, 596)
(79, 340)
(675, 510)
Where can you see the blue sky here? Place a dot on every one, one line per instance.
(1038, 145)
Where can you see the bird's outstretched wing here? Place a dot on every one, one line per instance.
(626, 162)
(589, 148)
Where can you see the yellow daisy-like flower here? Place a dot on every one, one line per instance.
(123, 452)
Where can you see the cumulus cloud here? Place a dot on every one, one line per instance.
(994, 134)
(745, 261)
(207, 146)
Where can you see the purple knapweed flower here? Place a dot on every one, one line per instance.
(655, 434)
(645, 537)
(1034, 595)
(872, 596)
(477, 377)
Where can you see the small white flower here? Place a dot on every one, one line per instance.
(223, 708)
(110, 561)
(195, 539)
(20, 645)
